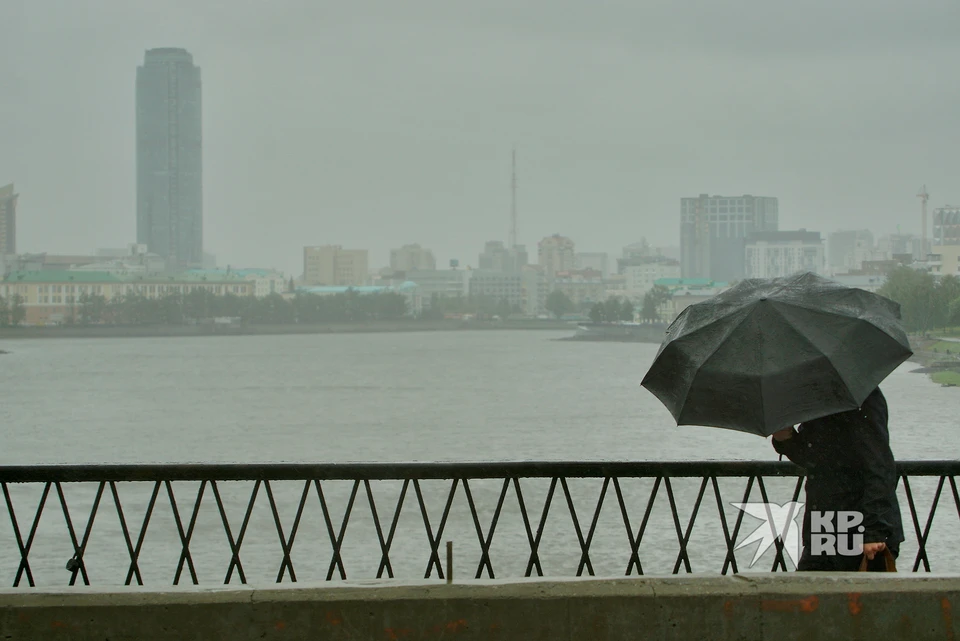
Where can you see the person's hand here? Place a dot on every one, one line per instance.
(783, 434)
(870, 550)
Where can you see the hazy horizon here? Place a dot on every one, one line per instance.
(373, 125)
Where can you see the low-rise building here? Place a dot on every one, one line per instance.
(498, 286)
(776, 254)
(643, 275)
(581, 287)
(51, 297)
(944, 260)
(334, 266)
(868, 282)
(265, 281)
(448, 283)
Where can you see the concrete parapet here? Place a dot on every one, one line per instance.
(693, 607)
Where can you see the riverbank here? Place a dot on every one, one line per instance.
(618, 333)
(160, 331)
(938, 359)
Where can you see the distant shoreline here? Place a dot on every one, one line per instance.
(181, 331)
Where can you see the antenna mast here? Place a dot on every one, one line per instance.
(513, 201)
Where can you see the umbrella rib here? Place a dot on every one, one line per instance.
(707, 359)
(811, 344)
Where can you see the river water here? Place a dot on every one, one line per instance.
(442, 396)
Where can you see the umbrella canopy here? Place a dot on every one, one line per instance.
(771, 353)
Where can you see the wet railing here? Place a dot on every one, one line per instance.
(291, 520)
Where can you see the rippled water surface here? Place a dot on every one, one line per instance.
(445, 396)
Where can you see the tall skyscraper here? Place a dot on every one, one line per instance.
(8, 220)
(556, 254)
(169, 157)
(713, 232)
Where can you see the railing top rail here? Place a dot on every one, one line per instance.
(444, 470)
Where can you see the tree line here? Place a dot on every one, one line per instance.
(926, 302)
(12, 311)
(177, 309)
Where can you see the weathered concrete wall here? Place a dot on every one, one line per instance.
(691, 608)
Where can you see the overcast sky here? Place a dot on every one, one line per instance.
(372, 124)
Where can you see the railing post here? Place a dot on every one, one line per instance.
(449, 562)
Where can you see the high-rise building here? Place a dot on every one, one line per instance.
(848, 249)
(412, 258)
(713, 229)
(334, 266)
(776, 254)
(499, 258)
(593, 260)
(169, 157)
(8, 220)
(946, 226)
(556, 254)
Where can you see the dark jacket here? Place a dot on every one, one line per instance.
(850, 466)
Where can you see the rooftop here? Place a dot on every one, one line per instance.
(363, 289)
(62, 276)
(801, 235)
(688, 282)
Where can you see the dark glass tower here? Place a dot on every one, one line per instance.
(169, 157)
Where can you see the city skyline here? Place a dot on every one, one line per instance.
(301, 148)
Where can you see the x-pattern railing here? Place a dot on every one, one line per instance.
(314, 477)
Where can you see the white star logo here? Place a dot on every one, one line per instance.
(778, 523)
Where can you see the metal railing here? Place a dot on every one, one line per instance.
(472, 498)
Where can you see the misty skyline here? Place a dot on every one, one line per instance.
(376, 125)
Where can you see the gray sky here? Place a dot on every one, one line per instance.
(371, 124)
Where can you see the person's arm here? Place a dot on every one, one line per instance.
(793, 445)
(879, 472)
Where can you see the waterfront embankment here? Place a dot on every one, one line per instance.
(155, 331)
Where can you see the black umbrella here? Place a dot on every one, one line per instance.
(771, 353)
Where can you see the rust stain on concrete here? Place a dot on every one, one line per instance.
(806, 605)
(728, 608)
(853, 603)
(947, 612)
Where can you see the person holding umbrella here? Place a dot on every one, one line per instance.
(771, 354)
(850, 468)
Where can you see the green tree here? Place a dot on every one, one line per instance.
(948, 290)
(503, 309)
(18, 312)
(916, 292)
(92, 308)
(170, 309)
(4, 312)
(649, 310)
(652, 301)
(611, 309)
(954, 312)
(597, 313)
(627, 311)
(558, 303)
(291, 288)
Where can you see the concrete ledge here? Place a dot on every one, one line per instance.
(700, 608)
